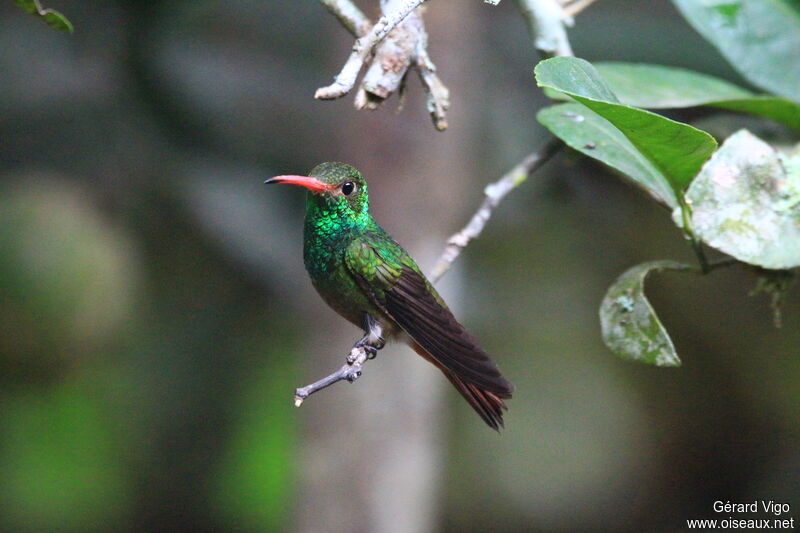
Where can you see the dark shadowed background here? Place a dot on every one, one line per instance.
(155, 316)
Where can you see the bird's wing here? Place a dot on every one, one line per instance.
(394, 283)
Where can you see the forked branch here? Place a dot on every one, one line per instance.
(387, 51)
(362, 49)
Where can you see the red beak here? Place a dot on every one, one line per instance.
(312, 184)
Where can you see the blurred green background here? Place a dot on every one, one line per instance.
(155, 316)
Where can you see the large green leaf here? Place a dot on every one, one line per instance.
(657, 86)
(677, 150)
(629, 324)
(660, 87)
(589, 133)
(746, 202)
(760, 38)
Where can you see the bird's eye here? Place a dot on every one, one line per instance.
(348, 188)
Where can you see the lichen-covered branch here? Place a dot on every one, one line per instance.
(363, 47)
(396, 44)
(390, 62)
(495, 192)
(547, 22)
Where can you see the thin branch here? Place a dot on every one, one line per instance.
(350, 371)
(494, 192)
(350, 16)
(547, 23)
(362, 48)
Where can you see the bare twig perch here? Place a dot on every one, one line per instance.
(349, 371)
(396, 43)
(494, 192)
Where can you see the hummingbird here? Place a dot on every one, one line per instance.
(364, 275)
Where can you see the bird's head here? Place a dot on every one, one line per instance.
(333, 186)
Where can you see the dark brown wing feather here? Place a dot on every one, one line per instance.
(394, 284)
(412, 303)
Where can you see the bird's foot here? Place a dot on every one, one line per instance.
(369, 349)
(372, 351)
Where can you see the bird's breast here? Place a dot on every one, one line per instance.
(323, 256)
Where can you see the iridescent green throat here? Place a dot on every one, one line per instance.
(333, 219)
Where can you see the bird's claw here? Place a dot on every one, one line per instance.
(369, 349)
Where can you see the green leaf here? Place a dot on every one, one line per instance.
(594, 136)
(657, 86)
(746, 203)
(660, 87)
(775, 108)
(53, 18)
(759, 38)
(677, 150)
(629, 324)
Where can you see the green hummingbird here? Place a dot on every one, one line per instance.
(369, 279)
